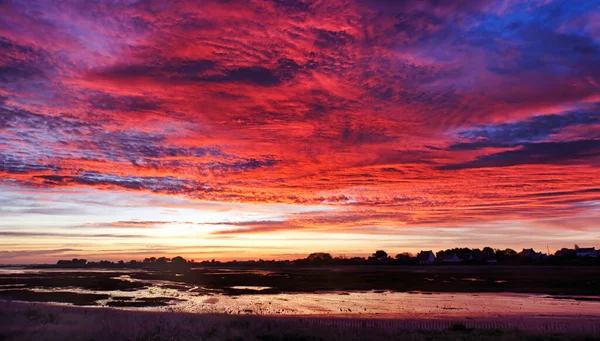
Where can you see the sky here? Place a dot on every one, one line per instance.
(247, 129)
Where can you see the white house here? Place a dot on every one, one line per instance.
(586, 252)
(453, 258)
(426, 257)
(530, 253)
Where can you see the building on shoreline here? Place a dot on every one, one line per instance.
(586, 252)
(426, 257)
(449, 258)
(531, 254)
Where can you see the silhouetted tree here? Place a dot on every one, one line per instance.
(380, 255)
(466, 254)
(178, 261)
(319, 257)
(162, 260)
(488, 250)
(506, 256)
(404, 258)
(76, 261)
(404, 255)
(566, 253)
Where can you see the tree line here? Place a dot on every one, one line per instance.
(486, 255)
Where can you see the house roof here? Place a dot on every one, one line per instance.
(586, 249)
(451, 256)
(529, 252)
(424, 255)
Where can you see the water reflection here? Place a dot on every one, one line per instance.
(175, 296)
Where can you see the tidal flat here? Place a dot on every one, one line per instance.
(382, 292)
(35, 321)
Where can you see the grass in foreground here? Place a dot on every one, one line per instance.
(19, 321)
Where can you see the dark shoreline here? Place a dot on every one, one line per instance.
(29, 321)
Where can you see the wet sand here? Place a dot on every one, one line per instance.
(129, 293)
(36, 319)
(388, 305)
(393, 305)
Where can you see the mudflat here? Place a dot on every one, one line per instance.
(377, 292)
(29, 321)
(553, 280)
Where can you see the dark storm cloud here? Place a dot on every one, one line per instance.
(18, 71)
(15, 165)
(543, 41)
(284, 70)
(418, 25)
(19, 62)
(332, 39)
(123, 103)
(243, 165)
(257, 75)
(179, 70)
(165, 184)
(135, 146)
(141, 149)
(537, 153)
(11, 117)
(298, 6)
(534, 129)
(172, 70)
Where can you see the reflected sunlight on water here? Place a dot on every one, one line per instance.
(383, 304)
